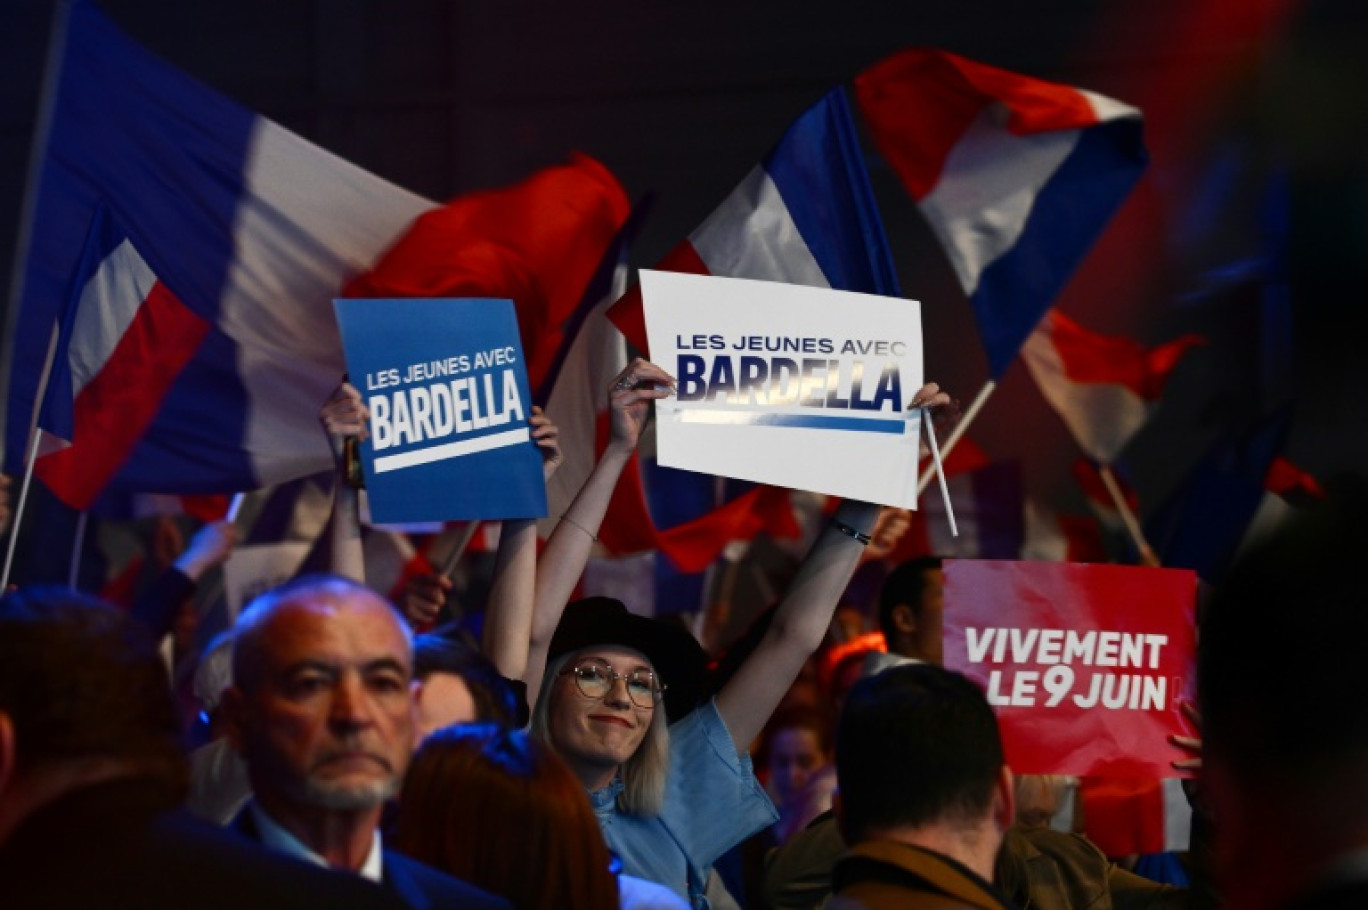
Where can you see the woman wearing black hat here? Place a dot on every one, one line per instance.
(618, 696)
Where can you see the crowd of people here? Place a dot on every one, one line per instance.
(355, 752)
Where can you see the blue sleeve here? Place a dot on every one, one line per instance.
(712, 799)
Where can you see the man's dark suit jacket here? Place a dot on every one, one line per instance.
(124, 844)
(420, 886)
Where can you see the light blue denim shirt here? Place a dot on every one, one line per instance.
(712, 803)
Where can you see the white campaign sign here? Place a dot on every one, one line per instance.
(792, 386)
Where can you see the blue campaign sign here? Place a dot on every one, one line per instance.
(447, 389)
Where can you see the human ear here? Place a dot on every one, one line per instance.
(1004, 799)
(904, 620)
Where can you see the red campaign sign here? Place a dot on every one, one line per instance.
(1085, 664)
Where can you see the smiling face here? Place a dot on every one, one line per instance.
(326, 718)
(596, 735)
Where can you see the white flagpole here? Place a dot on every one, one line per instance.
(940, 470)
(35, 436)
(19, 512)
(77, 549)
(234, 507)
(1147, 555)
(467, 534)
(950, 441)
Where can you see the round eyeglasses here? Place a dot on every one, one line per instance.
(595, 678)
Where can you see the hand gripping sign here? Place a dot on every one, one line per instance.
(1086, 665)
(793, 386)
(447, 391)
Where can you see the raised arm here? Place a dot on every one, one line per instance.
(344, 415)
(804, 614)
(508, 615)
(568, 548)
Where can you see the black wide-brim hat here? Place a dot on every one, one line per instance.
(679, 661)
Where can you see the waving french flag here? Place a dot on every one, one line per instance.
(1240, 491)
(574, 392)
(804, 215)
(225, 239)
(124, 340)
(1016, 176)
(1057, 537)
(1126, 816)
(1102, 386)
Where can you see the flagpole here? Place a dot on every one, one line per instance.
(35, 435)
(467, 535)
(77, 550)
(19, 513)
(940, 471)
(970, 413)
(38, 153)
(1147, 555)
(234, 507)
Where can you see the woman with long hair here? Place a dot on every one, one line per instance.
(623, 699)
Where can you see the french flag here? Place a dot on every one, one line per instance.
(1089, 479)
(124, 340)
(1241, 490)
(1102, 386)
(574, 393)
(1126, 816)
(1016, 176)
(538, 242)
(1059, 537)
(225, 239)
(804, 215)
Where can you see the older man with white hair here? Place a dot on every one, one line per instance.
(322, 709)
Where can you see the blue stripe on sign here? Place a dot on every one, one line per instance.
(814, 422)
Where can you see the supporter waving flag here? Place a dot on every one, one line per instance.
(1016, 176)
(233, 228)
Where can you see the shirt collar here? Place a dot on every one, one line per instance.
(274, 836)
(604, 800)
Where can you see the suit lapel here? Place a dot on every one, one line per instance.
(400, 880)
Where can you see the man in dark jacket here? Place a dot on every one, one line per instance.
(925, 796)
(91, 775)
(322, 710)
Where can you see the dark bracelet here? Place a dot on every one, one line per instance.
(848, 531)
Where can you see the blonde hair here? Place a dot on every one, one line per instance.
(643, 775)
